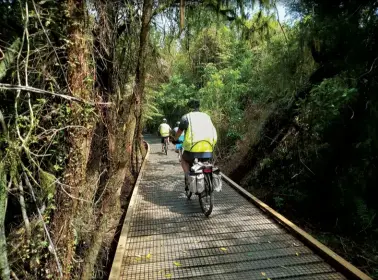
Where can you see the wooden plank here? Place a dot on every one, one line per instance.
(331, 257)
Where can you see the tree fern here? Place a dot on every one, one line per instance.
(9, 56)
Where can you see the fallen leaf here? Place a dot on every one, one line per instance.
(223, 249)
(250, 254)
(295, 244)
(269, 242)
(138, 258)
(263, 273)
(177, 264)
(297, 254)
(268, 279)
(148, 256)
(168, 275)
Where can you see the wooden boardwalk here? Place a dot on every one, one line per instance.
(165, 236)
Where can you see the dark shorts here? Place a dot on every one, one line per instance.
(162, 139)
(190, 156)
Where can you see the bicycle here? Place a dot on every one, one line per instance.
(166, 145)
(205, 175)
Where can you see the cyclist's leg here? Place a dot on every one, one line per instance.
(162, 144)
(185, 162)
(185, 166)
(178, 148)
(166, 141)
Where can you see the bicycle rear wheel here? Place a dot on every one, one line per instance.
(206, 198)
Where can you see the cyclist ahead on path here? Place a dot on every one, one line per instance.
(180, 139)
(164, 130)
(176, 128)
(200, 135)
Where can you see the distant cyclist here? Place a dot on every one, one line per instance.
(200, 135)
(180, 140)
(164, 130)
(176, 128)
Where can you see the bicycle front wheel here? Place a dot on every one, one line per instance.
(206, 198)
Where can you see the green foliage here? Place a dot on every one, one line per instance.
(47, 183)
(9, 57)
(325, 102)
(220, 68)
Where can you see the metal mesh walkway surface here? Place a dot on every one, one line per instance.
(168, 237)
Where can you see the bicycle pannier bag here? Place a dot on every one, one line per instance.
(192, 182)
(217, 180)
(196, 182)
(200, 186)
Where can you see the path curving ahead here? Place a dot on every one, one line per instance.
(165, 236)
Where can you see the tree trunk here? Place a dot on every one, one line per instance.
(120, 132)
(182, 15)
(79, 75)
(140, 75)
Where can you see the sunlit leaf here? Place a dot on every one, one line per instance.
(178, 264)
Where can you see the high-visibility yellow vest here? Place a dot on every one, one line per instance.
(164, 130)
(200, 136)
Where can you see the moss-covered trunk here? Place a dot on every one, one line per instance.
(80, 73)
(138, 91)
(116, 139)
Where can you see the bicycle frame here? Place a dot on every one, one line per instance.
(166, 142)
